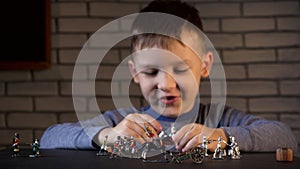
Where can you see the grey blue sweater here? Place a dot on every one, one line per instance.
(253, 133)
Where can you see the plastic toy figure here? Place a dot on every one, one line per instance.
(103, 150)
(35, 148)
(15, 145)
(219, 152)
(234, 151)
(204, 145)
(196, 154)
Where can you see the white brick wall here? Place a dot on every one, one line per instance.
(258, 43)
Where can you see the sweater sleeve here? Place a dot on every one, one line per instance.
(73, 135)
(255, 133)
(80, 135)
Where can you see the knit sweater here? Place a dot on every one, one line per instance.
(253, 133)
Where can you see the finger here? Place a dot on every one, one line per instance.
(139, 130)
(153, 122)
(180, 134)
(186, 138)
(193, 142)
(149, 125)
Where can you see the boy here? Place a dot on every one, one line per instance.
(169, 72)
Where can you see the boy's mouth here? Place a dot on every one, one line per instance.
(168, 99)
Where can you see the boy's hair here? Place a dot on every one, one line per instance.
(144, 24)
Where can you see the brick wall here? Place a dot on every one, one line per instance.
(258, 42)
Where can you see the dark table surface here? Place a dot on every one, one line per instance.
(73, 159)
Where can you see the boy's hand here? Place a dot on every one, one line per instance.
(190, 136)
(136, 125)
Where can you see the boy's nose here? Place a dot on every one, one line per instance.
(166, 82)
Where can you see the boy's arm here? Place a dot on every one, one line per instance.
(80, 135)
(254, 133)
(68, 136)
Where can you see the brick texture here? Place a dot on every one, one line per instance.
(1, 89)
(258, 43)
(271, 8)
(69, 9)
(273, 71)
(81, 25)
(30, 88)
(14, 76)
(30, 120)
(248, 56)
(292, 54)
(120, 9)
(274, 104)
(272, 39)
(219, 9)
(248, 24)
(16, 104)
(2, 120)
(290, 88)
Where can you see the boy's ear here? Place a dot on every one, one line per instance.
(207, 61)
(133, 71)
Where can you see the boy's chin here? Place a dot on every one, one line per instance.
(170, 112)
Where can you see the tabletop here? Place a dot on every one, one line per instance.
(58, 159)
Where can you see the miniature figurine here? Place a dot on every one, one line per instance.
(15, 145)
(196, 154)
(133, 148)
(148, 131)
(116, 148)
(219, 152)
(104, 149)
(173, 130)
(126, 147)
(35, 148)
(204, 145)
(234, 151)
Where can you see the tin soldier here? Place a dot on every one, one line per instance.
(234, 151)
(36, 148)
(219, 152)
(15, 145)
(116, 149)
(173, 130)
(133, 148)
(204, 145)
(104, 149)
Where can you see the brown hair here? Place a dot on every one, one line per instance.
(172, 7)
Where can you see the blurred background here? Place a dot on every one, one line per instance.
(258, 42)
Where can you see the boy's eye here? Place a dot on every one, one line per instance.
(150, 72)
(181, 69)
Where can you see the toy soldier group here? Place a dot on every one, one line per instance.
(16, 147)
(197, 154)
(122, 147)
(126, 147)
(219, 153)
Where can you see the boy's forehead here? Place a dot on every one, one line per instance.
(188, 37)
(153, 57)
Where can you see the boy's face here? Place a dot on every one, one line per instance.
(170, 79)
